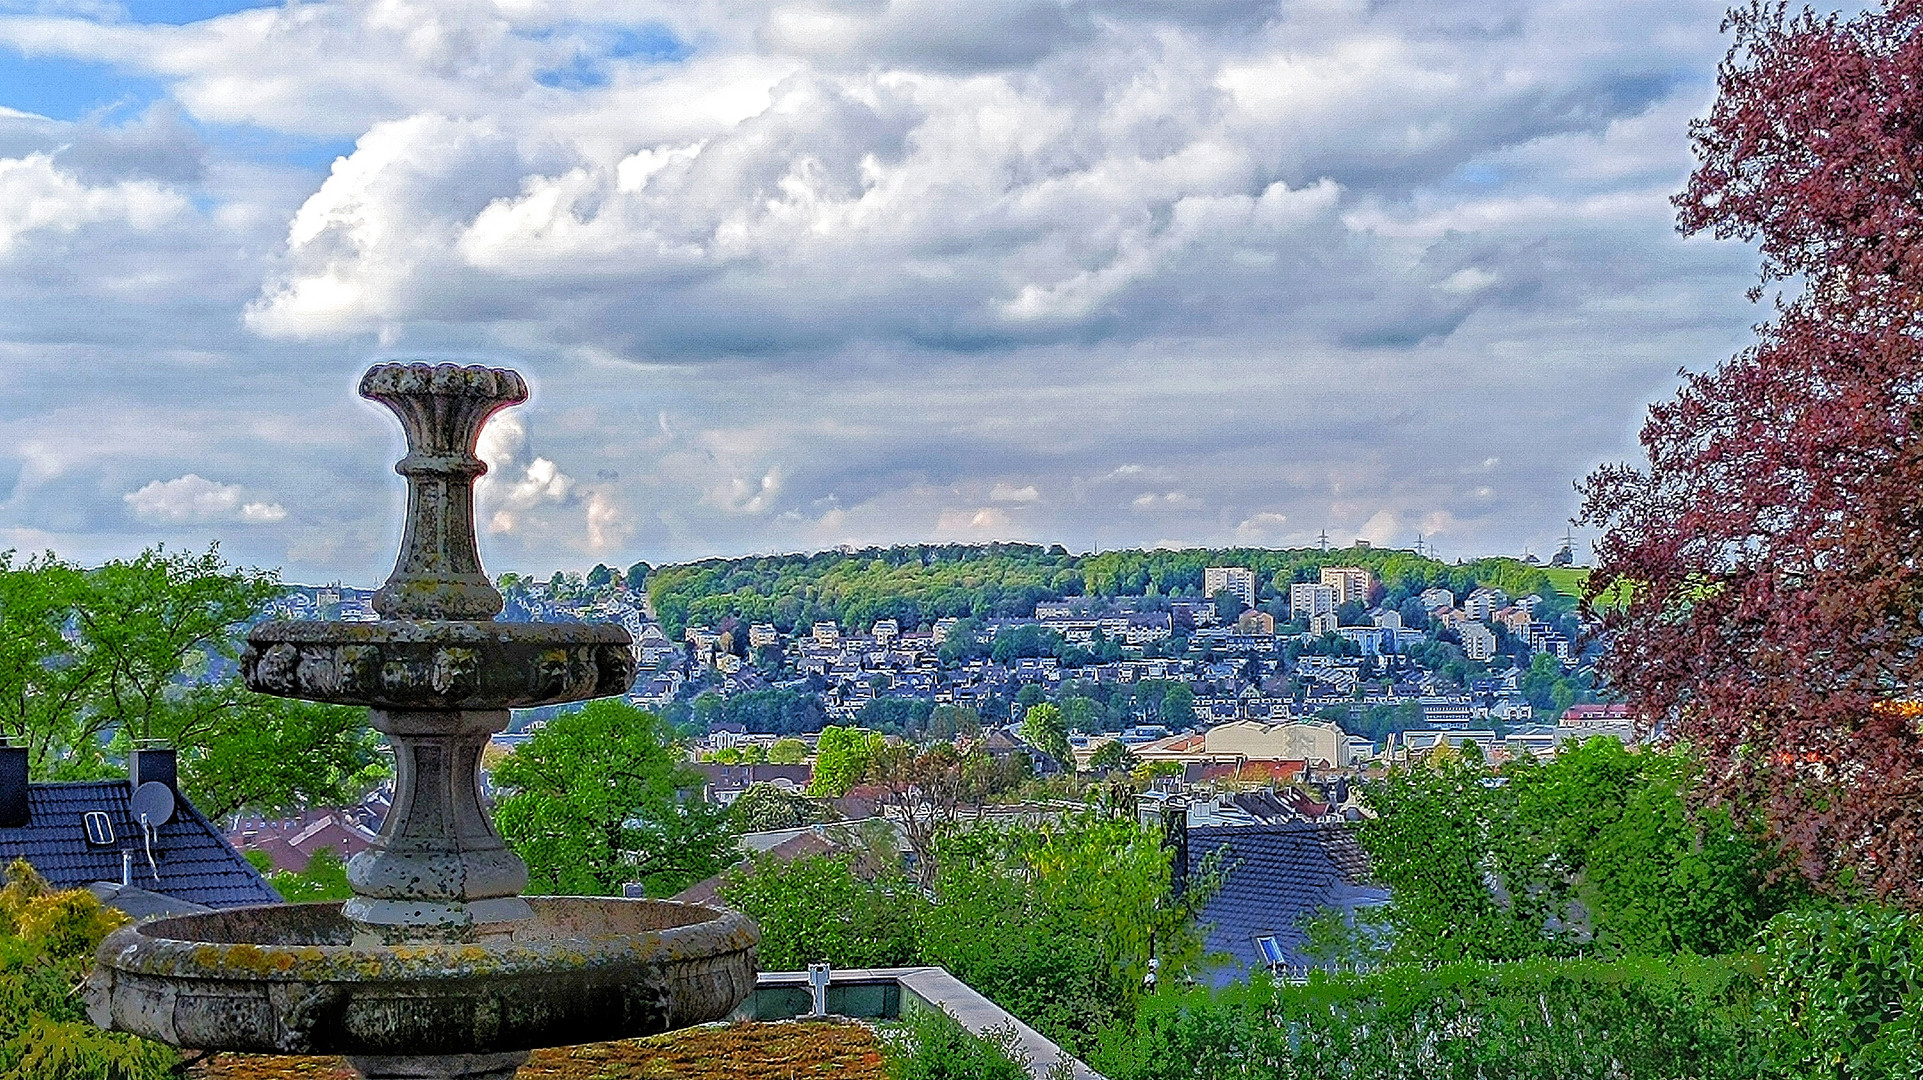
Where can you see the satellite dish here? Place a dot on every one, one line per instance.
(153, 804)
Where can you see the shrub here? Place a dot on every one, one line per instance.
(1678, 1019)
(1843, 994)
(47, 940)
(818, 908)
(926, 1044)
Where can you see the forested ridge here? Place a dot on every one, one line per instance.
(918, 583)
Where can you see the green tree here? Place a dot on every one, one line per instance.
(1113, 756)
(91, 660)
(1228, 606)
(325, 878)
(764, 807)
(841, 759)
(1597, 850)
(787, 751)
(946, 723)
(599, 798)
(276, 755)
(1044, 729)
(1178, 706)
(819, 908)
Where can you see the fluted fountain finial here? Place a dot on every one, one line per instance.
(441, 408)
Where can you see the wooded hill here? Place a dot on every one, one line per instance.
(918, 583)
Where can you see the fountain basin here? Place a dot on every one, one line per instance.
(439, 665)
(292, 979)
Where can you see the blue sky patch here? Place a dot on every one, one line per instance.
(72, 89)
(182, 12)
(598, 44)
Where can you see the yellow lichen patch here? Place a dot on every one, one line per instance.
(812, 1050)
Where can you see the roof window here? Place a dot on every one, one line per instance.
(100, 829)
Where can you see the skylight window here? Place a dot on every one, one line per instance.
(1271, 950)
(100, 829)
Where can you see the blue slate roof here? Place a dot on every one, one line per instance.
(196, 863)
(1276, 876)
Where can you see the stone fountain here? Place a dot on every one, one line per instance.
(438, 966)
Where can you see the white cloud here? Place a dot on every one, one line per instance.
(38, 197)
(1005, 492)
(193, 498)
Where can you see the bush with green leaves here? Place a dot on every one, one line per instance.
(47, 941)
(325, 878)
(1842, 995)
(1600, 850)
(929, 1044)
(1054, 922)
(1682, 1018)
(819, 908)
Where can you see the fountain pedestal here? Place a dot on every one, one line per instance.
(438, 966)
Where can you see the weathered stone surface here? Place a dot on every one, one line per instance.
(396, 664)
(292, 979)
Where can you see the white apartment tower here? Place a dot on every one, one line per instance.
(1234, 579)
(1352, 584)
(1307, 599)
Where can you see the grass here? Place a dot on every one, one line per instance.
(800, 1050)
(1568, 580)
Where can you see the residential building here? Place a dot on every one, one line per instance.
(85, 834)
(1231, 579)
(1325, 623)
(827, 633)
(1307, 600)
(1352, 584)
(1437, 599)
(1284, 875)
(1255, 622)
(761, 634)
(1484, 602)
(886, 630)
(1319, 743)
(1478, 641)
(1447, 713)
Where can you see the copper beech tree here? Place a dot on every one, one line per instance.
(1768, 561)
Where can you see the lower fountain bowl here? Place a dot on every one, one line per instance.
(291, 979)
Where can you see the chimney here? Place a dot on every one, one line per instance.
(13, 786)
(1175, 837)
(153, 763)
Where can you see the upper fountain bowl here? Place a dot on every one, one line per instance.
(440, 665)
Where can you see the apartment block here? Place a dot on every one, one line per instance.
(1352, 584)
(1233, 579)
(1307, 599)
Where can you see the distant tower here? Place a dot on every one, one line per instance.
(1323, 540)
(1567, 553)
(1419, 544)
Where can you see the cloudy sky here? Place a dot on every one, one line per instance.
(786, 274)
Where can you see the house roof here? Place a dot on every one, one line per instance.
(799, 846)
(195, 863)
(1275, 878)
